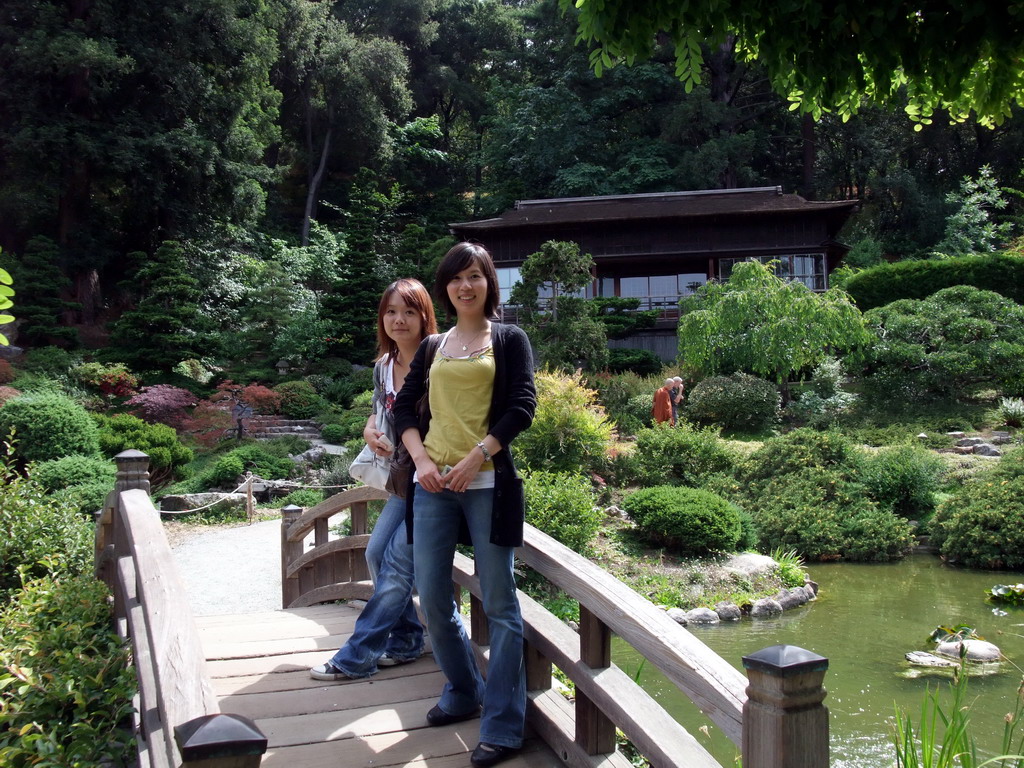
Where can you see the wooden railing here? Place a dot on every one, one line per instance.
(774, 716)
(178, 721)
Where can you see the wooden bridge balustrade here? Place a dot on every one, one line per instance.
(178, 721)
(775, 716)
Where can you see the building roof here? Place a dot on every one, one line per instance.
(656, 205)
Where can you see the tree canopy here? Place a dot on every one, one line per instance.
(824, 56)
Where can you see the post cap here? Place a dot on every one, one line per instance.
(219, 735)
(131, 453)
(785, 661)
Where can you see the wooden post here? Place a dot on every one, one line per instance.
(132, 472)
(290, 551)
(595, 733)
(785, 724)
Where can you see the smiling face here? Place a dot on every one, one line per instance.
(402, 323)
(468, 291)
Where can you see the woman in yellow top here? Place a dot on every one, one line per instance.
(481, 395)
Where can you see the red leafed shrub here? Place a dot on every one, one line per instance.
(163, 403)
(6, 372)
(208, 423)
(261, 399)
(114, 380)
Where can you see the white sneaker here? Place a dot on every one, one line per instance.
(327, 671)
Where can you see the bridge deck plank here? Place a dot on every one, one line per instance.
(259, 667)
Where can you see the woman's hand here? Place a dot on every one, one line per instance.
(462, 474)
(373, 438)
(428, 476)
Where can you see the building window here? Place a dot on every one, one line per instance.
(808, 268)
(507, 277)
(655, 291)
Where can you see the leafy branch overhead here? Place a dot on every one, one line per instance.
(833, 57)
(5, 301)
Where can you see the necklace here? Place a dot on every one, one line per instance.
(465, 346)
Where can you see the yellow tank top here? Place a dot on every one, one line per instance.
(460, 402)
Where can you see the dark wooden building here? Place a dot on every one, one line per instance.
(661, 246)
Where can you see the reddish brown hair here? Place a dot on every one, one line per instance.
(413, 294)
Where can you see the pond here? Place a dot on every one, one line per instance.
(865, 619)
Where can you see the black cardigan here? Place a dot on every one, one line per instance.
(513, 403)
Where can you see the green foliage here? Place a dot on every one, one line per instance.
(66, 683)
(257, 458)
(797, 450)
(885, 283)
(303, 497)
(1010, 594)
(335, 434)
(561, 327)
(685, 520)
(42, 535)
(88, 498)
(114, 380)
(982, 524)
(73, 470)
(956, 338)
(48, 426)
(622, 317)
(299, 400)
(738, 401)
(904, 479)
(790, 567)
(5, 301)
(762, 324)
(951, 60)
(970, 228)
(41, 284)
(627, 398)
(562, 505)
(824, 402)
(123, 432)
(642, 362)
(570, 431)
(166, 326)
(1011, 411)
(50, 361)
(682, 455)
(952, 745)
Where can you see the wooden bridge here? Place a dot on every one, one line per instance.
(235, 692)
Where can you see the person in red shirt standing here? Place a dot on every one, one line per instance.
(662, 410)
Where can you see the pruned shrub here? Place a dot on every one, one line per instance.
(52, 362)
(739, 401)
(685, 520)
(66, 684)
(904, 479)
(982, 526)
(87, 498)
(334, 433)
(682, 455)
(570, 431)
(626, 397)
(797, 450)
(48, 426)
(299, 400)
(561, 504)
(113, 379)
(124, 432)
(642, 362)
(822, 514)
(73, 470)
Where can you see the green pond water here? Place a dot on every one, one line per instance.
(865, 619)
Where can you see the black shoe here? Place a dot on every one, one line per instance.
(486, 755)
(437, 716)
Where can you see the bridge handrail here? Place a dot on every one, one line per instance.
(774, 715)
(178, 721)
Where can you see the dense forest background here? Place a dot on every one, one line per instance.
(247, 174)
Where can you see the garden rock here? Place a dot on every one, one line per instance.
(924, 659)
(966, 442)
(187, 502)
(791, 598)
(702, 616)
(987, 449)
(614, 511)
(728, 611)
(977, 650)
(765, 608)
(812, 586)
(678, 615)
(311, 456)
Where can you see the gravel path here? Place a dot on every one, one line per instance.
(229, 569)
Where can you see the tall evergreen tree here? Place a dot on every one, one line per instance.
(41, 308)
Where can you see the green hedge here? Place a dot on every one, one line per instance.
(685, 520)
(885, 283)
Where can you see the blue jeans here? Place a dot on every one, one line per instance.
(435, 533)
(388, 623)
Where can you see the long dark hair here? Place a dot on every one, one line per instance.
(458, 258)
(415, 295)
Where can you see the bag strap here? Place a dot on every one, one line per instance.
(433, 342)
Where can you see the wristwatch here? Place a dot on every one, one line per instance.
(484, 451)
